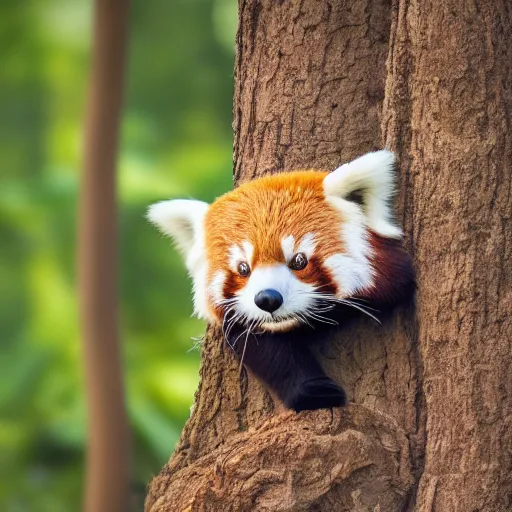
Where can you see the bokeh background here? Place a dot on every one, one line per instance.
(176, 142)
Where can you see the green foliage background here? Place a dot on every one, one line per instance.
(176, 141)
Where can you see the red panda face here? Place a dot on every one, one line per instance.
(279, 251)
(270, 246)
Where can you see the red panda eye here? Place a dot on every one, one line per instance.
(243, 269)
(298, 262)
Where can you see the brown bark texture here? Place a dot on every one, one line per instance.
(430, 429)
(107, 464)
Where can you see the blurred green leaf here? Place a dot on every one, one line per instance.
(176, 141)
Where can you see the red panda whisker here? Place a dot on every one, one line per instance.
(320, 318)
(323, 320)
(224, 321)
(226, 302)
(226, 318)
(233, 345)
(351, 301)
(360, 308)
(320, 296)
(333, 298)
(320, 312)
(229, 343)
(323, 308)
(330, 296)
(360, 299)
(243, 319)
(197, 344)
(232, 322)
(322, 304)
(226, 329)
(348, 302)
(303, 319)
(230, 328)
(243, 351)
(249, 330)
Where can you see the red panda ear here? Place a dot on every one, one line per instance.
(182, 220)
(371, 176)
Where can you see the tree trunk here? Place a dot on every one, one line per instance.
(432, 427)
(448, 110)
(108, 468)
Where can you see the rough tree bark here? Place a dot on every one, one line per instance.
(432, 428)
(108, 466)
(448, 111)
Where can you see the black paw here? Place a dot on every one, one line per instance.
(319, 393)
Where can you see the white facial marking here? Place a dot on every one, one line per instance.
(288, 247)
(307, 245)
(216, 287)
(351, 275)
(248, 251)
(352, 270)
(236, 255)
(200, 298)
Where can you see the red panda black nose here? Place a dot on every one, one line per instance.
(268, 300)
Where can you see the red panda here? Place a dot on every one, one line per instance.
(282, 255)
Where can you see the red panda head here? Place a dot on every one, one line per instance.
(281, 250)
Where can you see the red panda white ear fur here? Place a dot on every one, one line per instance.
(372, 174)
(183, 221)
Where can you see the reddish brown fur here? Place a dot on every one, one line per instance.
(394, 275)
(233, 283)
(315, 273)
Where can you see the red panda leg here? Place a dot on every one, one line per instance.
(285, 364)
(316, 393)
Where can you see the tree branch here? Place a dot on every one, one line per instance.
(345, 459)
